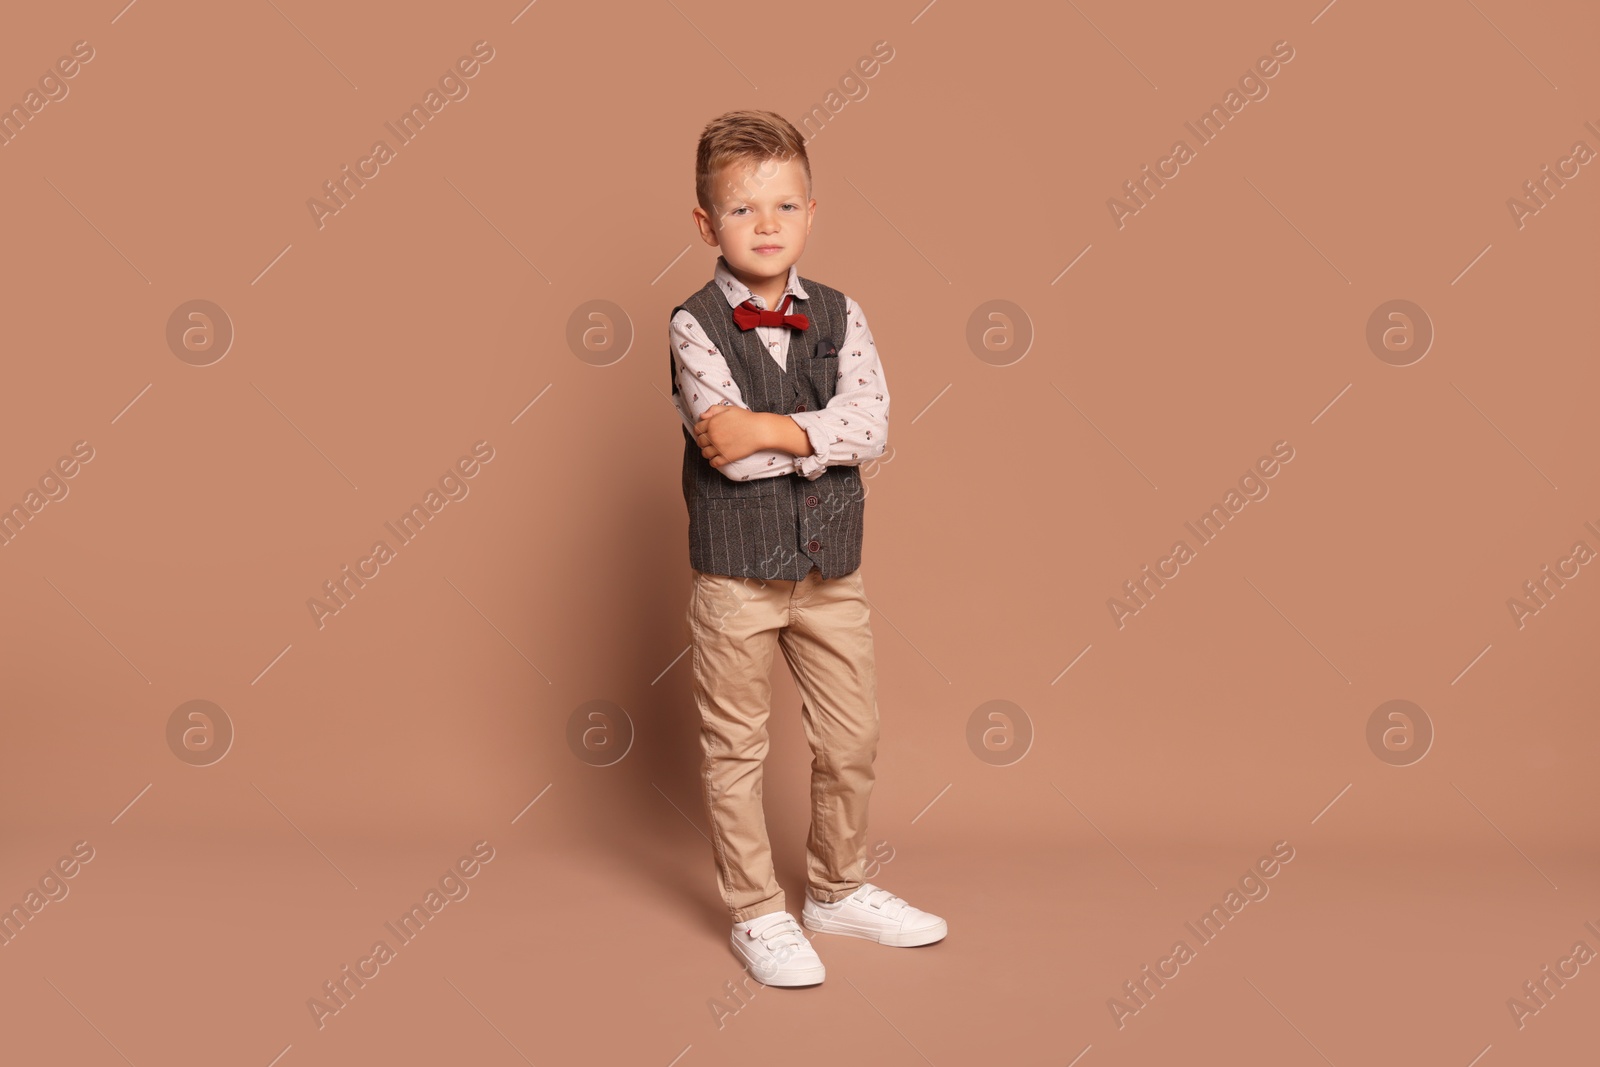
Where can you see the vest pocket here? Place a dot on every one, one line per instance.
(824, 373)
(738, 495)
(722, 503)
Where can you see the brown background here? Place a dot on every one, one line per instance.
(429, 313)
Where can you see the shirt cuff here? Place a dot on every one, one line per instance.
(812, 466)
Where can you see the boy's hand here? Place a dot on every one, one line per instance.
(727, 432)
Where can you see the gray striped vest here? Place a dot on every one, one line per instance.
(775, 527)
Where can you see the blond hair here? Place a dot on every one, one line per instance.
(744, 137)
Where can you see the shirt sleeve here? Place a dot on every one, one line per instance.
(703, 380)
(854, 426)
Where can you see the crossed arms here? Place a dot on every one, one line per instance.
(745, 444)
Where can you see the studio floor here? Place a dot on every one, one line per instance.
(592, 947)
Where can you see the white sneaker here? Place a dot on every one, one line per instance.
(776, 951)
(875, 914)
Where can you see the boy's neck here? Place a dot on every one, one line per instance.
(770, 290)
(772, 299)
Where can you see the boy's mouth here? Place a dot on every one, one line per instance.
(767, 250)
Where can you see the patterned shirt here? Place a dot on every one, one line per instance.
(853, 428)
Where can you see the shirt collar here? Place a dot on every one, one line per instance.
(737, 292)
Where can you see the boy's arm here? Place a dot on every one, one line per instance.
(705, 381)
(854, 426)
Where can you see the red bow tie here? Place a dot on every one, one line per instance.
(747, 316)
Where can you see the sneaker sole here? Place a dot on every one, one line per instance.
(895, 939)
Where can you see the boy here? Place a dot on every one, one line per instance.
(782, 397)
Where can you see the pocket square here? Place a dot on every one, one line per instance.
(826, 348)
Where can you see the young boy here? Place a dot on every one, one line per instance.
(782, 397)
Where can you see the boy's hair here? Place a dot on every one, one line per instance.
(744, 137)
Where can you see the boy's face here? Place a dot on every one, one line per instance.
(763, 217)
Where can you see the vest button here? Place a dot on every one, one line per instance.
(811, 501)
(813, 545)
(802, 407)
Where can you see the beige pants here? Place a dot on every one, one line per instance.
(823, 628)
